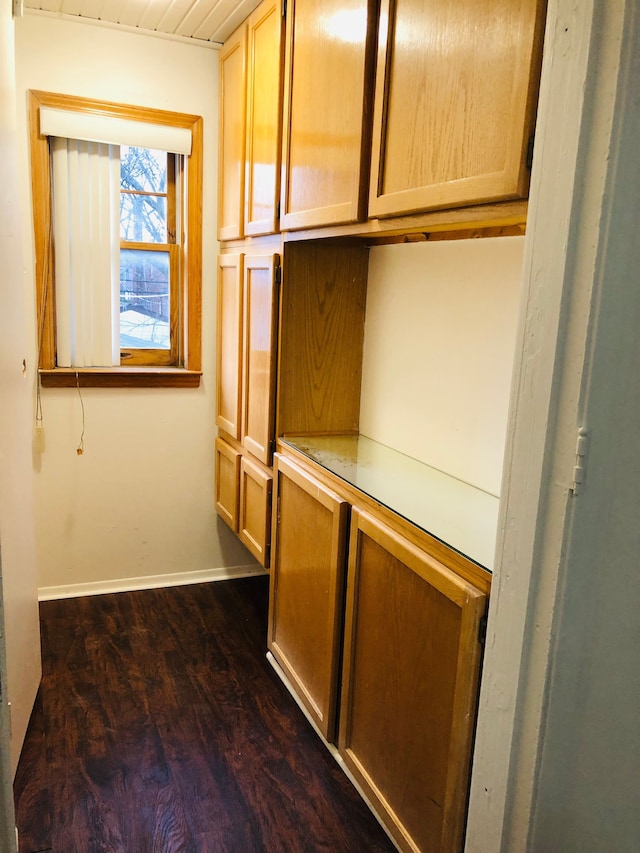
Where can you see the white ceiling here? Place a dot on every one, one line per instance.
(207, 20)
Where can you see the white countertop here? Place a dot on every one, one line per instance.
(458, 514)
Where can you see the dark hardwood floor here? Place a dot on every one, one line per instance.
(161, 727)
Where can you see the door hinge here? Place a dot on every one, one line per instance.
(579, 469)
(278, 274)
(482, 630)
(272, 445)
(284, 8)
(529, 160)
(278, 209)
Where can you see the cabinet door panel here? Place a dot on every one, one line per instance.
(410, 679)
(231, 145)
(329, 47)
(456, 88)
(307, 577)
(227, 474)
(255, 510)
(229, 344)
(264, 118)
(260, 315)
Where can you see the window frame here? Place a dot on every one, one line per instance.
(187, 369)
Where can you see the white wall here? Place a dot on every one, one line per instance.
(17, 545)
(139, 502)
(438, 352)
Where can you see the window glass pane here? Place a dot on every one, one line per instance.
(143, 218)
(144, 299)
(143, 169)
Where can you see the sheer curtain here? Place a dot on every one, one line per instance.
(86, 229)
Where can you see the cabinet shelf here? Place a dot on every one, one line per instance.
(461, 516)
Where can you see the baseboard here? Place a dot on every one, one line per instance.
(104, 587)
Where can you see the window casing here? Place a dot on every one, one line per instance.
(179, 364)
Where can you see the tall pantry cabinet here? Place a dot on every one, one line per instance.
(248, 275)
(365, 122)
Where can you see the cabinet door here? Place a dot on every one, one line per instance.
(231, 144)
(264, 118)
(229, 345)
(456, 91)
(259, 349)
(327, 86)
(409, 688)
(227, 474)
(307, 578)
(255, 510)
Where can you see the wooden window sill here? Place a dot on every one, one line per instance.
(120, 377)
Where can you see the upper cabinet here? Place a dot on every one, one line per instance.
(439, 118)
(246, 350)
(264, 118)
(231, 145)
(328, 64)
(250, 125)
(455, 98)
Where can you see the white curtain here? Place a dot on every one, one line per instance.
(86, 228)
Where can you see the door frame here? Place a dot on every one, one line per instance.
(583, 158)
(7, 814)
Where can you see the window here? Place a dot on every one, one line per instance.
(117, 201)
(149, 260)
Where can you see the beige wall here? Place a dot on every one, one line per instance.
(17, 545)
(139, 502)
(438, 352)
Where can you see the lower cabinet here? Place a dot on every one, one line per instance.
(307, 589)
(409, 687)
(254, 524)
(403, 643)
(243, 497)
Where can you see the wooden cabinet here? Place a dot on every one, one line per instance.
(456, 92)
(451, 95)
(264, 118)
(250, 125)
(254, 522)
(229, 344)
(409, 686)
(246, 349)
(227, 481)
(231, 139)
(409, 656)
(243, 497)
(328, 62)
(307, 579)
(261, 275)
(245, 414)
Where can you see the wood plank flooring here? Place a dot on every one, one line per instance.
(160, 727)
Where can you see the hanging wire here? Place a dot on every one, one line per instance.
(80, 448)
